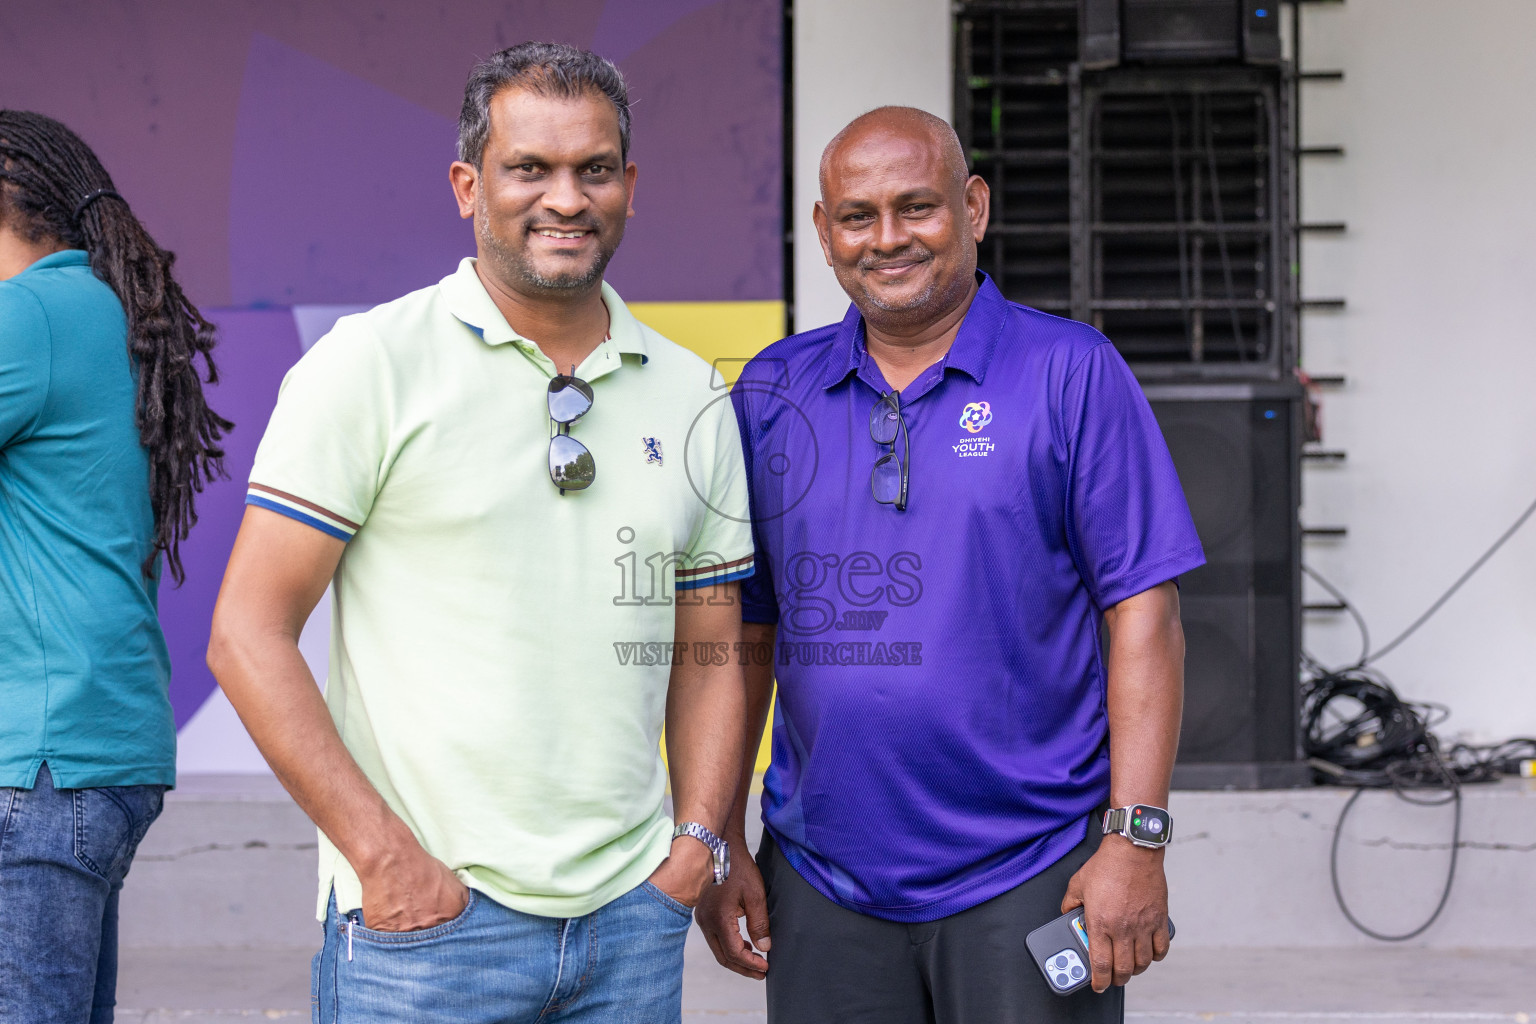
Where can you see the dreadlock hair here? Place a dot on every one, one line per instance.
(52, 187)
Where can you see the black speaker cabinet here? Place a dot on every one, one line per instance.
(1237, 448)
(1156, 31)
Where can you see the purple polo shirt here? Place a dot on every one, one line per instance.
(940, 734)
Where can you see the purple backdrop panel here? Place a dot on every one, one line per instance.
(626, 26)
(707, 96)
(155, 87)
(256, 347)
(160, 90)
(339, 190)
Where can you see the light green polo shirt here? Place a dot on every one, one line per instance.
(484, 667)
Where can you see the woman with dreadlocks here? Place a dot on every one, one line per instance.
(105, 439)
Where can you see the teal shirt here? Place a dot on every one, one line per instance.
(83, 665)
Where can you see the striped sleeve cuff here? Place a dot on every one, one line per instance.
(709, 575)
(306, 512)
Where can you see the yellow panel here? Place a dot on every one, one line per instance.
(726, 334)
(765, 749)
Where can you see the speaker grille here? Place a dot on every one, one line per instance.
(1234, 458)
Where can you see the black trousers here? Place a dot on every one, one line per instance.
(830, 965)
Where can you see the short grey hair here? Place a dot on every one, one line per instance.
(550, 69)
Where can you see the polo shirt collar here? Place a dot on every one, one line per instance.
(971, 352)
(472, 304)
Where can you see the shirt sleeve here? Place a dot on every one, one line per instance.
(759, 603)
(25, 361)
(1128, 524)
(322, 458)
(720, 550)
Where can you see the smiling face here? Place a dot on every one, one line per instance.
(552, 192)
(899, 220)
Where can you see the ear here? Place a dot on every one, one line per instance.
(631, 172)
(978, 206)
(465, 179)
(823, 230)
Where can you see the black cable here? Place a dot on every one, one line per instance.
(1367, 656)
(1381, 741)
(1405, 634)
(1450, 874)
(1354, 613)
(1358, 732)
(1388, 742)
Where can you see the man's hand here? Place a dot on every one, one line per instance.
(1124, 897)
(687, 872)
(410, 892)
(722, 907)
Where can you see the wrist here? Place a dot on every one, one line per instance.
(1120, 844)
(693, 858)
(383, 849)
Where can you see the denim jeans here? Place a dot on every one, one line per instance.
(63, 856)
(620, 964)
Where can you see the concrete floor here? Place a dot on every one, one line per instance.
(1216, 975)
(1234, 986)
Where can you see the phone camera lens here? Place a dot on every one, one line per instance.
(1077, 974)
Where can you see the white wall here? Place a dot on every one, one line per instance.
(1439, 269)
(852, 56)
(1438, 342)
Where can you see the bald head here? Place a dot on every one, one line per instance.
(899, 219)
(899, 126)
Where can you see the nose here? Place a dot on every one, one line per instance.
(565, 196)
(892, 233)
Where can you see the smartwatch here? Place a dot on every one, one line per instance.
(1142, 824)
(719, 849)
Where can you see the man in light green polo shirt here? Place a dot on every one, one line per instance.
(520, 495)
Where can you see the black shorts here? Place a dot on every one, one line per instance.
(831, 965)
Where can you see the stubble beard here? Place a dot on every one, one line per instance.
(903, 309)
(516, 266)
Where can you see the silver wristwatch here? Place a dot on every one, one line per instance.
(1142, 824)
(719, 849)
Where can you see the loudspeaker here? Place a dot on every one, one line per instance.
(1157, 31)
(1237, 450)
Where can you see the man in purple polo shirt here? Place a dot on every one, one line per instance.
(952, 495)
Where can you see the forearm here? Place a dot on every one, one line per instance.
(1146, 695)
(757, 639)
(272, 690)
(706, 724)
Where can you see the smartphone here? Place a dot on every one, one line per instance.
(1060, 949)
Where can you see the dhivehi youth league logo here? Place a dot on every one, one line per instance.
(975, 416)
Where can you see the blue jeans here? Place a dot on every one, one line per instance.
(63, 856)
(620, 964)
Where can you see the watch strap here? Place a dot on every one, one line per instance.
(718, 849)
(1114, 820)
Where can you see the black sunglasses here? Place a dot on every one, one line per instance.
(570, 463)
(888, 478)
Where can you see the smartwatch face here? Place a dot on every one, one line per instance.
(1149, 824)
